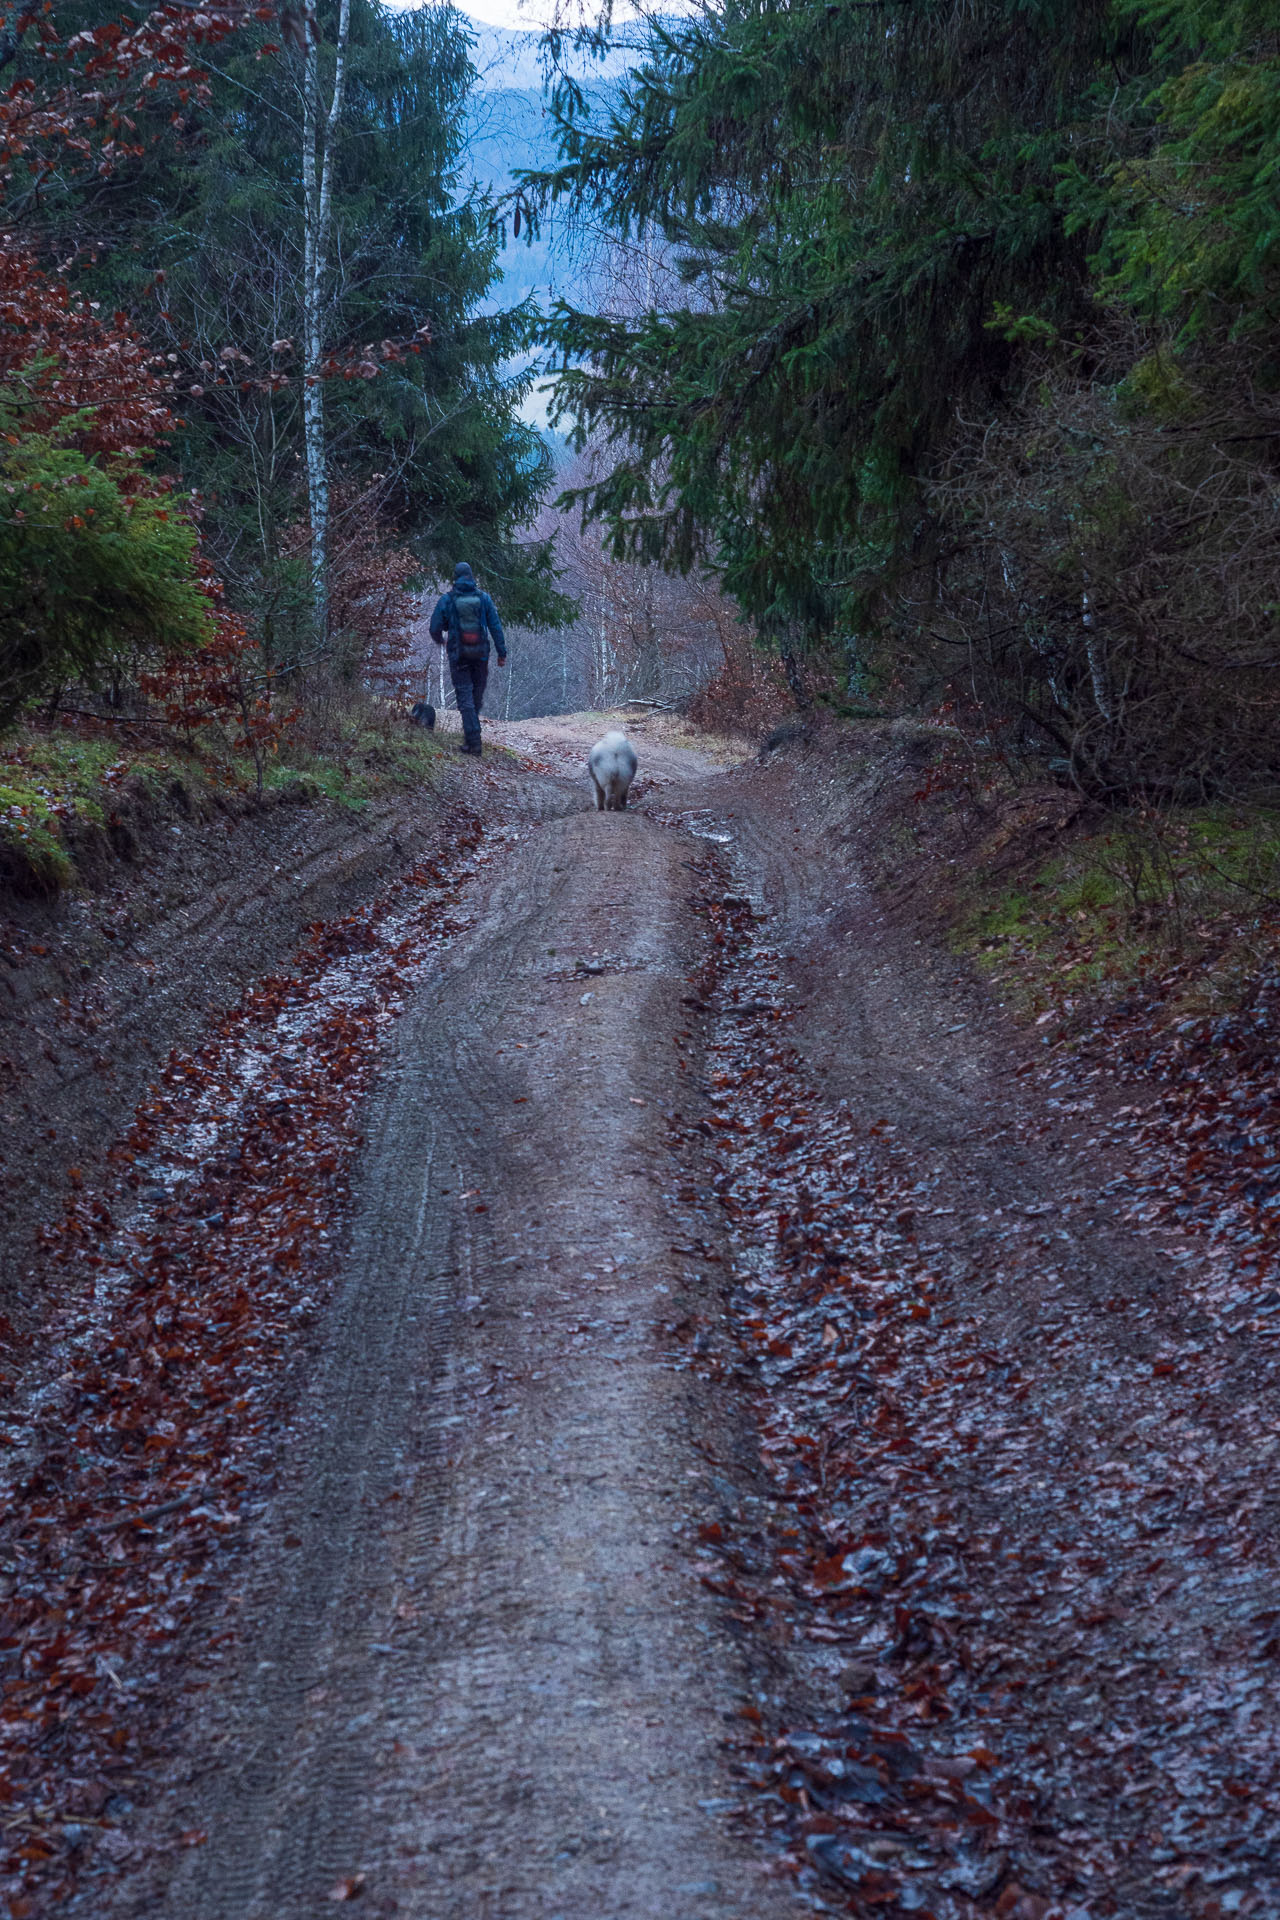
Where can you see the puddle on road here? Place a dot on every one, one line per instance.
(703, 825)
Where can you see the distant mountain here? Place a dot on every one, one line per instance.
(511, 59)
(507, 59)
(509, 130)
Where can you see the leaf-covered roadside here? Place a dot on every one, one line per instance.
(143, 1446)
(1204, 1122)
(1026, 1564)
(1145, 951)
(1187, 1023)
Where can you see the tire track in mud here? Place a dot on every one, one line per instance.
(465, 1667)
(477, 1676)
(136, 1449)
(99, 986)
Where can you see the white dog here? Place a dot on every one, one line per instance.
(612, 762)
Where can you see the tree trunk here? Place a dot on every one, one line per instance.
(317, 202)
(791, 668)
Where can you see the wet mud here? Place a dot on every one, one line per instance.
(98, 987)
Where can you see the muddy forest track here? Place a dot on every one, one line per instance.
(1035, 1510)
(748, 1462)
(478, 1679)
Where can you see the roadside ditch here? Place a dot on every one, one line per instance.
(98, 985)
(1013, 1591)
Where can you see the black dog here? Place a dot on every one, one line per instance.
(424, 715)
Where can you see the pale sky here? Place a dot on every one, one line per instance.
(533, 15)
(529, 14)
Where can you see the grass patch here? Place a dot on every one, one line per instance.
(50, 782)
(1195, 890)
(348, 747)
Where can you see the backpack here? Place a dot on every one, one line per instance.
(468, 624)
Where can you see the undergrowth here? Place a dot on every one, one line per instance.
(1190, 896)
(350, 751)
(48, 782)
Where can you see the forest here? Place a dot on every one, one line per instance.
(967, 390)
(709, 1356)
(242, 333)
(955, 386)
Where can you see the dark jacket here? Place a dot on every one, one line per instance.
(444, 628)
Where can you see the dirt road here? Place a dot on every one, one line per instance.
(478, 1667)
(746, 1457)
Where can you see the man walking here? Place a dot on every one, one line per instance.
(462, 623)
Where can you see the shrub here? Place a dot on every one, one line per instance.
(96, 572)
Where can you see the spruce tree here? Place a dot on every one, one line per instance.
(852, 193)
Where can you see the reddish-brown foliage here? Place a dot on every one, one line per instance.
(82, 119)
(59, 355)
(96, 382)
(748, 695)
(372, 608)
(222, 684)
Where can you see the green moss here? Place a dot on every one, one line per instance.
(54, 781)
(30, 842)
(356, 762)
(1010, 916)
(48, 782)
(319, 781)
(1157, 389)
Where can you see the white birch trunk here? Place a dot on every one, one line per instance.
(317, 202)
(1093, 653)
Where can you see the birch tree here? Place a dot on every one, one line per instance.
(319, 141)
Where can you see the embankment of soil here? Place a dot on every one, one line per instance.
(98, 986)
(913, 806)
(1068, 906)
(1129, 959)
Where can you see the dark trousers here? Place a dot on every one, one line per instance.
(470, 678)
